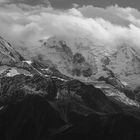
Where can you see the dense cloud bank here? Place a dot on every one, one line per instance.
(24, 25)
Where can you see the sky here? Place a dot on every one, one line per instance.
(65, 4)
(109, 23)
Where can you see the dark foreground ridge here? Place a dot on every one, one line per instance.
(37, 106)
(39, 109)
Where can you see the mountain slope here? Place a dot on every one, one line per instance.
(125, 64)
(80, 58)
(85, 61)
(40, 102)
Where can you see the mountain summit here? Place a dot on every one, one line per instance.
(125, 64)
(80, 58)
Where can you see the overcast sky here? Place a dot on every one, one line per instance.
(98, 3)
(66, 4)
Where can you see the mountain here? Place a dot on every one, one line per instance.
(80, 58)
(70, 57)
(11, 62)
(84, 60)
(39, 100)
(125, 63)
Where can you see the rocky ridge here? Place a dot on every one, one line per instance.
(44, 104)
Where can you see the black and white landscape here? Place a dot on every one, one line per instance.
(69, 70)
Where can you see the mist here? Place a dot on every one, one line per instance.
(23, 26)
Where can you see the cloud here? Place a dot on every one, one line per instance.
(32, 2)
(3, 1)
(28, 2)
(109, 14)
(114, 14)
(24, 25)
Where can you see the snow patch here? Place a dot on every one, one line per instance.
(29, 62)
(12, 73)
(124, 83)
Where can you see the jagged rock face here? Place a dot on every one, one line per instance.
(76, 64)
(41, 108)
(7, 54)
(11, 62)
(38, 101)
(75, 93)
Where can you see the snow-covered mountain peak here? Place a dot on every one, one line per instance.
(66, 65)
(122, 61)
(125, 64)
